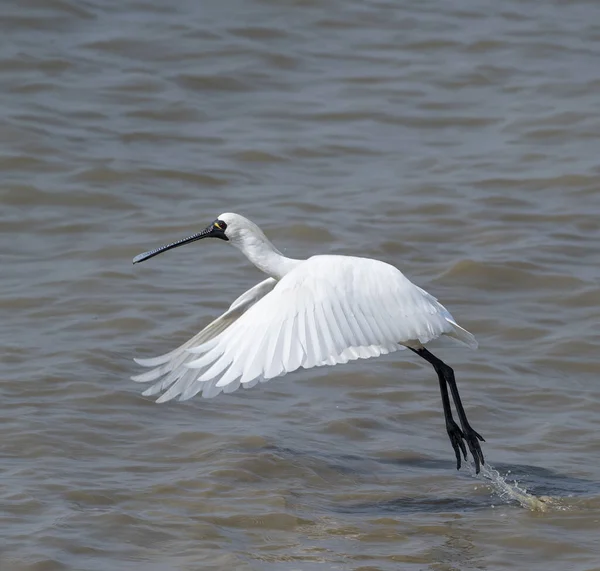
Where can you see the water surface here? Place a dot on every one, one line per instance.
(458, 141)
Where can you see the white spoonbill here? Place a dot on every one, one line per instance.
(325, 310)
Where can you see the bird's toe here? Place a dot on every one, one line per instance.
(473, 437)
(457, 440)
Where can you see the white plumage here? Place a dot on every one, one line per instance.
(325, 310)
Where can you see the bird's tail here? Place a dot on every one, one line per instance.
(462, 335)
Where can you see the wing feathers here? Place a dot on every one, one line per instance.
(327, 310)
(314, 347)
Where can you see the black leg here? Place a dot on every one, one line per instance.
(454, 432)
(446, 377)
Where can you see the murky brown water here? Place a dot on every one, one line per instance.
(457, 140)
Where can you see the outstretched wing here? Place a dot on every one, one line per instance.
(328, 310)
(171, 366)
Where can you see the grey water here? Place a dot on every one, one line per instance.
(456, 140)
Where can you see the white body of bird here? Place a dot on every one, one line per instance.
(325, 310)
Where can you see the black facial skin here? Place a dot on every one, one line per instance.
(220, 226)
(215, 230)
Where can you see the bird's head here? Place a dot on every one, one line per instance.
(228, 226)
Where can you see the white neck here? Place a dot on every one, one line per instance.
(266, 257)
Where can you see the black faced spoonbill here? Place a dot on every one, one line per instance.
(325, 310)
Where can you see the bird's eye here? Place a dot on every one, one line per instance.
(220, 225)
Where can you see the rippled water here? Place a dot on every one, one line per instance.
(456, 140)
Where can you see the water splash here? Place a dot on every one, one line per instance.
(514, 492)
